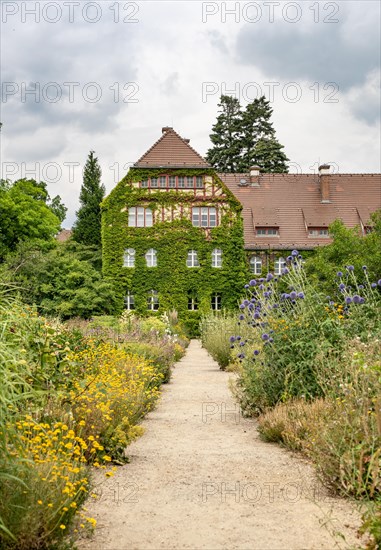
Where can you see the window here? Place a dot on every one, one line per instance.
(163, 181)
(318, 232)
(153, 300)
(217, 257)
(216, 301)
(181, 181)
(189, 182)
(256, 265)
(267, 231)
(153, 182)
(204, 216)
(151, 258)
(192, 301)
(279, 264)
(172, 181)
(129, 257)
(139, 217)
(199, 182)
(129, 300)
(192, 259)
(144, 183)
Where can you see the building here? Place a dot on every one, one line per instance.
(177, 235)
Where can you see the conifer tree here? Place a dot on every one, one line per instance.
(225, 153)
(244, 138)
(87, 228)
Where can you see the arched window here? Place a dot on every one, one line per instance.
(129, 257)
(217, 257)
(192, 259)
(216, 301)
(279, 264)
(153, 300)
(256, 265)
(129, 300)
(151, 257)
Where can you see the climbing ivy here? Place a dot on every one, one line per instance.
(172, 240)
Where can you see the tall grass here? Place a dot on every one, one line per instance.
(216, 329)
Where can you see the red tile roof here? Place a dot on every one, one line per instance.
(292, 202)
(171, 151)
(64, 235)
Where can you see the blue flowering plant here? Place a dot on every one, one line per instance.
(295, 329)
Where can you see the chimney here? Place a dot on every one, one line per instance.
(166, 129)
(254, 176)
(324, 171)
(186, 140)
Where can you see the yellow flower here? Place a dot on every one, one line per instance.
(62, 526)
(39, 502)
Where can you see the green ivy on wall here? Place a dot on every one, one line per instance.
(172, 240)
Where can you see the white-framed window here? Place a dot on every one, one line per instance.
(318, 232)
(199, 182)
(151, 257)
(279, 264)
(217, 257)
(129, 257)
(192, 301)
(172, 182)
(216, 301)
(181, 181)
(267, 231)
(163, 181)
(129, 300)
(204, 216)
(144, 183)
(153, 300)
(192, 259)
(139, 217)
(256, 265)
(154, 182)
(189, 182)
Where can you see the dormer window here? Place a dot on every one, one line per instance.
(267, 232)
(318, 232)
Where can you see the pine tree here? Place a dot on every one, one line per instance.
(259, 144)
(225, 153)
(87, 228)
(242, 139)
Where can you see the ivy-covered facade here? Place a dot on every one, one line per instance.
(172, 238)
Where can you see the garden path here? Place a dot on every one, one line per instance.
(200, 478)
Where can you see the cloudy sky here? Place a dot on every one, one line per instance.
(106, 76)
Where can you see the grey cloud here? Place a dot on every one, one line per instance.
(325, 53)
(217, 40)
(170, 84)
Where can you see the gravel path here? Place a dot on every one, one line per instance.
(200, 478)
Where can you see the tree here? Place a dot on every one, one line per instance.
(224, 156)
(27, 214)
(259, 146)
(242, 139)
(87, 228)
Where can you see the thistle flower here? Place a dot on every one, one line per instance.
(348, 300)
(364, 267)
(253, 282)
(294, 253)
(350, 268)
(339, 273)
(269, 277)
(301, 295)
(341, 286)
(265, 337)
(373, 285)
(232, 339)
(356, 299)
(293, 295)
(256, 352)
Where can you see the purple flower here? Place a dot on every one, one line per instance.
(339, 273)
(246, 286)
(261, 280)
(242, 343)
(356, 299)
(350, 268)
(241, 356)
(256, 315)
(241, 317)
(289, 258)
(379, 282)
(265, 337)
(293, 295)
(287, 296)
(348, 300)
(232, 339)
(331, 302)
(269, 277)
(242, 306)
(373, 285)
(246, 302)
(341, 286)
(361, 286)
(261, 287)
(362, 300)
(275, 306)
(364, 267)
(256, 352)
(285, 270)
(253, 282)
(271, 340)
(301, 295)
(294, 253)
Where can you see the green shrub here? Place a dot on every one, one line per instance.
(216, 330)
